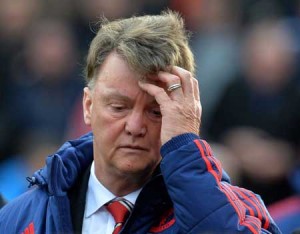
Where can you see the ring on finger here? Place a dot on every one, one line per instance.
(173, 87)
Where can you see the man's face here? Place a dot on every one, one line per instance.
(125, 120)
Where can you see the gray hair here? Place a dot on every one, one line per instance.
(148, 44)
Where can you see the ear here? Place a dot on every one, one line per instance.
(87, 105)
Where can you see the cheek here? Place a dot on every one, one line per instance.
(105, 125)
(108, 126)
(155, 135)
(106, 136)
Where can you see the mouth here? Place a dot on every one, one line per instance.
(133, 147)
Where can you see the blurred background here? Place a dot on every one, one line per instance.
(247, 56)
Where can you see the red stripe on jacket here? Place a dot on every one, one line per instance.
(261, 213)
(233, 199)
(29, 229)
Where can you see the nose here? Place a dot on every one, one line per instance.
(135, 124)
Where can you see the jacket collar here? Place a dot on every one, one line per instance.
(77, 197)
(63, 168)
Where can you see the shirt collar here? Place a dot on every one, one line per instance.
(98, 195)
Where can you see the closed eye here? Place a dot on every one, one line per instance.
(156, 112)
(117, 107)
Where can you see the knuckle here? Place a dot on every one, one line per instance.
(187, 74)
(175, 79)
(195, 81)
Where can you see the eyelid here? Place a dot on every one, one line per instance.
(156, 111)
(118, 105)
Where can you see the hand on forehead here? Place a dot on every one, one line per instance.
(163, 78)
(154, 79)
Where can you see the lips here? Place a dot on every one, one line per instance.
(133, 147)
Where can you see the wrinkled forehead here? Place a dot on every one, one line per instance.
(126, 82)
(115, 69)
(109, 77)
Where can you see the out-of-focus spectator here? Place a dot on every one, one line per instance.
(286, 212)
(47, 81)
(264, 94)
(264, 162)
(264, 97)
(16, 16)
(215, 44)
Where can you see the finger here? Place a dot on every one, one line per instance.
(169, 79)
(186, 79)
(196, 89)
(158, 93)
(196, 95)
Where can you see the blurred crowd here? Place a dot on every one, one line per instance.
(247, 56)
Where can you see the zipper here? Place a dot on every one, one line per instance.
(32, 181)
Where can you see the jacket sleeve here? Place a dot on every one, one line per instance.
(204, 200)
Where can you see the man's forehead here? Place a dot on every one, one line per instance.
(115, 67)
(152, 78)
(122, 94)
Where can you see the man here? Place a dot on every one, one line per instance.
(143, 106)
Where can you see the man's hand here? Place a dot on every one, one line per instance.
(180, 108)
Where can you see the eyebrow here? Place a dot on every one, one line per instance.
(115, 94)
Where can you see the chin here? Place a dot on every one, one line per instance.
(136, 169)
